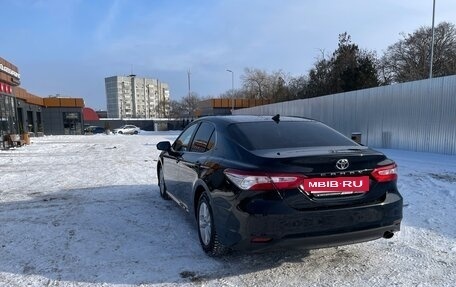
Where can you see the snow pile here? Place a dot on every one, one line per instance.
(86, 211)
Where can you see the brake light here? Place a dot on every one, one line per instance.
(385, 173)
(263, 181)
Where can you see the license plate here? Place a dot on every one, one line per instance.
(337, 184)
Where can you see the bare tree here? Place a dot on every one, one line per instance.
(176, 109)
(409, 58)
(190, 104)
(258, 84)
(233, 94)
(254, 81)
(162, 108)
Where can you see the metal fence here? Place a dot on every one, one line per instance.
(416, 116)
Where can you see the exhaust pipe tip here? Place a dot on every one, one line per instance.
(388, 235)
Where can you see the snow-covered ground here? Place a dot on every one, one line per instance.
(86, 211)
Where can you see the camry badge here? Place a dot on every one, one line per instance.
(342, 164)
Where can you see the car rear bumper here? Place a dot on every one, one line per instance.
(324, 241)
(314, 228)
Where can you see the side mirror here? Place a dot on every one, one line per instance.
(166, 146)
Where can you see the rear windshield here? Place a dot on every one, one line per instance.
(271, 135)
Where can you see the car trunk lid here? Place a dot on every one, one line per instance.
(327, 164)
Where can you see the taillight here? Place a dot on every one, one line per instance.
(385, 173)
(263, 181)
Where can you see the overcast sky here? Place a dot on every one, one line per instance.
(68, 47)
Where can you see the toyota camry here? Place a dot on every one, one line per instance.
(257, 182)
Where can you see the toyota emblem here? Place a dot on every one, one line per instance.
(342, 164)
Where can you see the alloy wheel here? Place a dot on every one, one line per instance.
(204, 218)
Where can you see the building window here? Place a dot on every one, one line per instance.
(7, 115)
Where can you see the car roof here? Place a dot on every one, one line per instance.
(249, 119)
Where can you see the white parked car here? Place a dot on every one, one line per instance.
(127, 129)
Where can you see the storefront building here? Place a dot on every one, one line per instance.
(9, 78)
(22, 112)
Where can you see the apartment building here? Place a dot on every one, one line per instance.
(136, 97)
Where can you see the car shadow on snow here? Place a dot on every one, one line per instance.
(114, 235)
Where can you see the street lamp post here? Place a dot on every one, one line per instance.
(232, 89)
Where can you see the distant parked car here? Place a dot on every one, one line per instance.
(127, 129)
(94, 130)
(257, 182)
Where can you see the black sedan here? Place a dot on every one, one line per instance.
(254, 182)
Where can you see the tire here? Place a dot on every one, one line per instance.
(162, 186)
(136, 132)
(206, 229)
(120, 132)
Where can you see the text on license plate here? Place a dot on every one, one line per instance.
(337, 184)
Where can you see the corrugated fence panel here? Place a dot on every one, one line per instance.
(337, 110)
(417, 116)
(390, 120)
(431, 116)
(448, 116)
